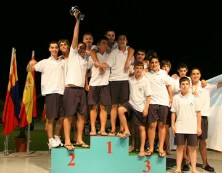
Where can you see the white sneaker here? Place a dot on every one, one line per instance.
(53, 144)
(59, 141)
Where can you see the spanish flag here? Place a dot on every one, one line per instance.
(10, 117)
(28, 106)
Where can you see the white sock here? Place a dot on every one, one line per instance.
(56, 137)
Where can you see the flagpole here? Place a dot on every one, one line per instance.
(6, 145)
(7, 136)
(28, 138)
(13, 51)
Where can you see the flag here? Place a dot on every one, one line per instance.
(214, 139)
(28, 106)
(10, 117)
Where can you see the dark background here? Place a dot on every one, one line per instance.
(187, 32)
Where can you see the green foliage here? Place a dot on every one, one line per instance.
(38, 140)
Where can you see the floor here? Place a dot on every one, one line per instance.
(40, 161)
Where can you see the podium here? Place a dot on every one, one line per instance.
(105, 155)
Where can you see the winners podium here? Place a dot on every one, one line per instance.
(105, 155)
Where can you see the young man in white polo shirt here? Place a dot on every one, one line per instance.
(99, 91)
(159, 105)
(52, 87)
(186, 123)
(137, 106)
(74, 98)
(204, 96)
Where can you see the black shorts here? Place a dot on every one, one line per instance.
(158, 113)
(137, 116)
(99, 95)
(74, 100)
(54, 106)
(204, 128)
(168, 122)
(119, 91)
(180, 139)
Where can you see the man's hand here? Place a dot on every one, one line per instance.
(87, 87)
(30, 66)
(145, 111)
(101, 71)
(96, 64)
(173, 128)
(32, 62)
(175, 76)
(199, 131)
(127, 65)
(76, 14)
(203, 83)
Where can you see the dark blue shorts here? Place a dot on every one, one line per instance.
(74, 101)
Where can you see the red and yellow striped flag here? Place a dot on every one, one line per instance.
(10, 117)
(28, 107)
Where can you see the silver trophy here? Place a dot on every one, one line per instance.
(74, 10)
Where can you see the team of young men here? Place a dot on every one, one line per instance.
(146, 97)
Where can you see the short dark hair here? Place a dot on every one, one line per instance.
(182, 65)
(151, 53)
(103, 37)
(53, 42)
(165, 62)
(64, 41)
(154, 57)
(182, 79)
(140, 50)
(138, 63)
(195, 68)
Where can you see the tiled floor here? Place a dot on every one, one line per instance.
(40, 162)
(214, 160)
(36, 162)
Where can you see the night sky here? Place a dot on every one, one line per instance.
(179, 32)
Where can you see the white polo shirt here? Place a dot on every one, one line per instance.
(185, 108)
(76, 69)
(204, 97)
(52, 75)
(158, 82)
(97, 79)
(139, 90)
(116, 62)
(172, 82)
